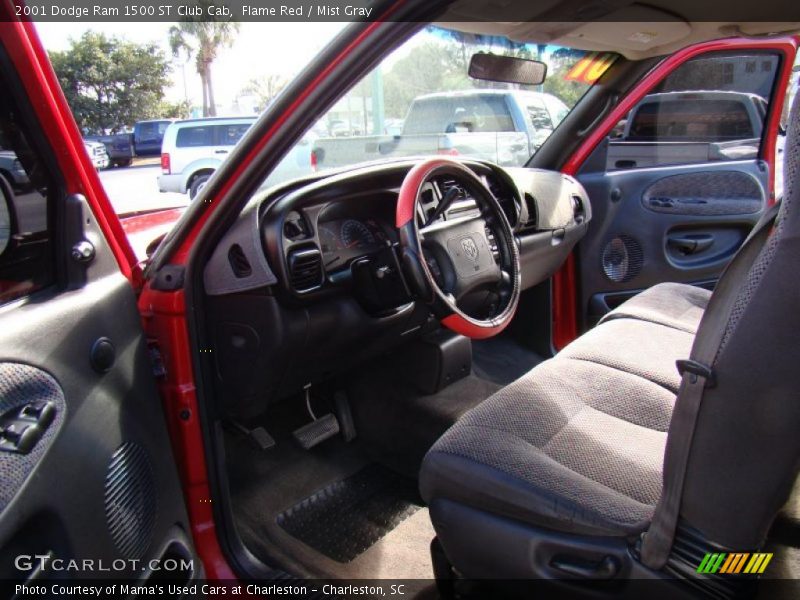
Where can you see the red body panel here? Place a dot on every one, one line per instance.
(142, 229)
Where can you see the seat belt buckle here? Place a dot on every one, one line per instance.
(695, 370)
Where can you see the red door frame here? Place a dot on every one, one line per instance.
(165, 323)
(565, 289)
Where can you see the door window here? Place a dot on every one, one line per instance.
(229, 135)
(26, 240)
(711, 108)
(193, 137)
(540, 118)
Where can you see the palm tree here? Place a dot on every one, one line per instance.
(203, 39)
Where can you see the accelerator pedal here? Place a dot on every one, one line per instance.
(317, 431)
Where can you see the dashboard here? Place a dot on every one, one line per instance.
(308, 281)
(341, 240)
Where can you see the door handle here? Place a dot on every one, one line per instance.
(690, 244)
(220, 151)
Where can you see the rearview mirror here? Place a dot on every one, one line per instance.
(507, 69)
(7, 215)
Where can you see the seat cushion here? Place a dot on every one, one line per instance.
(675, 305)
(638, 347)
(572, 446)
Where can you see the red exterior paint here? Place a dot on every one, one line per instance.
(54, 116)
(164, 320)
(142, 229)
(146, 221)
(565, 304)
(565, 315)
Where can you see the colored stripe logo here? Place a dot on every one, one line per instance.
(735, 563)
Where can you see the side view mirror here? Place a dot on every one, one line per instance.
(8, 215)
(507, 69)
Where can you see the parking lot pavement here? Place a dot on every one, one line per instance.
(135, 188)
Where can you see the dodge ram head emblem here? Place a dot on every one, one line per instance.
(470, 248)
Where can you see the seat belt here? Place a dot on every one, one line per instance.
(697, 375)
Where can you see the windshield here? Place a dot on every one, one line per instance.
(420, 101)
(158, 123)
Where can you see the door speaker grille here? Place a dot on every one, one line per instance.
(622, 258)
(130, 500)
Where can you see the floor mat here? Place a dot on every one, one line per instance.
(502, 359)
(346, 518)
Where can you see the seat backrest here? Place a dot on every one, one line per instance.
(745, 452)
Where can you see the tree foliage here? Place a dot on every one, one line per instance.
(430, 67)
(110, 83)
(265, 88)
(203, 39)
(441, 63)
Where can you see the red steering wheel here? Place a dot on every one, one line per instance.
(466, 269)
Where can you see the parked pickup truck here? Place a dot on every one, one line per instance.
(503, 126)
(119, 147)
(144, 140)
(688, 127)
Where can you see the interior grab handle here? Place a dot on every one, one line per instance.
(691, 243)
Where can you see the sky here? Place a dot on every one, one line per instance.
(260, 49)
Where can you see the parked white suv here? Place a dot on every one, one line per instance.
(193, 149)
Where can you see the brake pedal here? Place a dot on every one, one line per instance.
(317, 431)
(258, 436)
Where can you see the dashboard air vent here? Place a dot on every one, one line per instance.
(305, 269)
(533, 212)
(239, 263)
(578, 210)
(505, 198)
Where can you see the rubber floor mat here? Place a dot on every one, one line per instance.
(346, 518)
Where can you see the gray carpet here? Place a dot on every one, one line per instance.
(395, 426)
(502, 359)
(398, 425)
